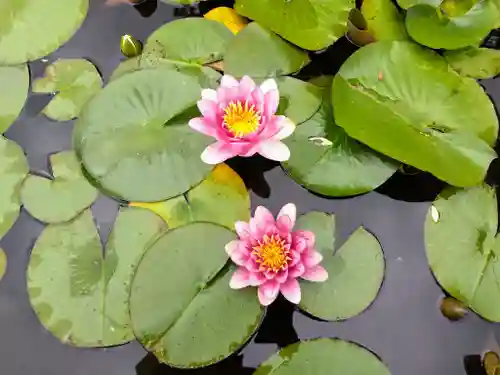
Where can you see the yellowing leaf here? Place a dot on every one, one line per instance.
(228, 17)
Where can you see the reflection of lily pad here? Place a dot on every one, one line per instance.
(35, 28)
(74, 81)
(13, 170)
(475, 62)
(221, 198)
(323, 357)
(133, 141)
(3, 263)
(181, 305)
(355, 271)
(258, 52)
(61, 199)
(420, 120)
(430, 26)
(79, 296)
(15, 83)
(310, 24)
(463, 249)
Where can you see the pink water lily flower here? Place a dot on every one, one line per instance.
(271, 256)
(241, 116)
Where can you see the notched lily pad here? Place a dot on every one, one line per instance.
(222, 198)
(74, 82)
(15, 84)
(80, 296)
(355, 271)
(60, 199)
(323, 356)
(475, 62)
(181, 305)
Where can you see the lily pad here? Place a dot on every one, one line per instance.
(355, 271)
(324, 159)
(3, 263)
(79, 296)
(430, 26)
(384, 20)
(15, 84)
(260, 53)
(221, 198)
(405, 4)
(13, 169)
(463, 249)
(419, 121)
(181, 305)
(475, 62)
(31, 29)
(299, 100)
(134, 141)
(323, 356)
(60, 199)
(310, 24)
(74, 81)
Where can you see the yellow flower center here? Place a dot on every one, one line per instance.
(241, 119)
(272, 254)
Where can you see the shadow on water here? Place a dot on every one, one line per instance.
(411, 185)
(233, 365)
(252, 170)
(473, 365)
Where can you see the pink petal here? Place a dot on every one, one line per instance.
(232, 247)
(201, 125)
(209, 94)
(316, 273)
(286, 126)
(303, 239)
(243, 230)
(271, 102)
(268, 292)
(289, 210)
(284, 224)
(296, 258)
(240, 257)
(208, 109)
(291, 290)
(247, 85)
(268, 85)
(263, 216)
(282, 276)
(274, 150)
(228, 81)
(256, 230)
(240, 279)
(217, 153)
(296, 271)
(253, 266)
(311, 258)
(257, 279)
(258, 100)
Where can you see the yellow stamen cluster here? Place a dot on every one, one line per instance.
(241, 119)
(272, 255)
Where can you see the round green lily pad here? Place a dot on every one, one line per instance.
(475, 62)
(181, 305)
(431, 26)
(323, 356)
(60, 199)
(355, 271)
(299, 100)
(79, 296)
(74, 81)
(32, 29)
(462, 247)
(15, 84)
(133, 137)
(222, 198)
(13, 169)
(3, 263)
(419, 121)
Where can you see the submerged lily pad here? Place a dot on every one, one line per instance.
(463, 249)
(323, 356)
(221, 198)
(420, 121)
(79, 296)
(310, 24)
(355, 270)
(475, 62)
(133, 137)
(60, 199)
(324, 159)
(15, 84)
(13, 169)
(383, 19)
(74, 81)
(433, 27)
(3, 263)
(31, 29)
(258, 52)
(181, 305)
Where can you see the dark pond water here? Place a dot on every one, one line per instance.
(403, 326)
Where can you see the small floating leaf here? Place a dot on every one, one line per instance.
(130, 46)
(475, 62)
(74, 81)
(453, 309)
(3, 263)
(228, 17)
(79, 296)
(181, 305)
(323, 356)
(15, 84)
(491, 363)
(60, 199)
